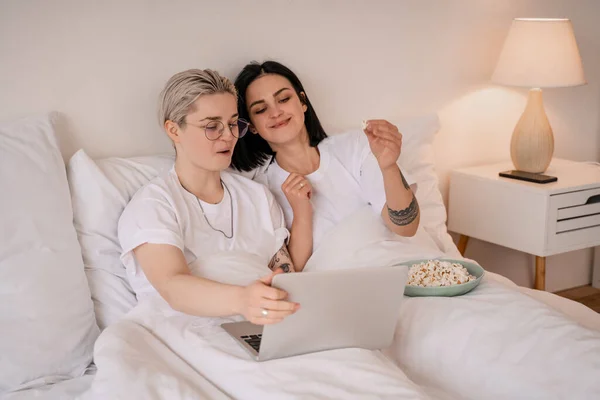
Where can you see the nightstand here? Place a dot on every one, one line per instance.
(539, 219)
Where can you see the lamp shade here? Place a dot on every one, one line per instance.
(540, 53)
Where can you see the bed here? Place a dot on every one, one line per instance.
(499, 341)
(71, 388)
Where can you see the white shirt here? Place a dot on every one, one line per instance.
(348, 178)
(163, 212)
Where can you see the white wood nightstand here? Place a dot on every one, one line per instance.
(539, 219)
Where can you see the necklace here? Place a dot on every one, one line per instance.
(231, 212)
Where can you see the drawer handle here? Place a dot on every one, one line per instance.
(593, 199)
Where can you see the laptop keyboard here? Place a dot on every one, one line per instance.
(253, 341)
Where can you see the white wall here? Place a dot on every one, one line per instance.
(103, 63)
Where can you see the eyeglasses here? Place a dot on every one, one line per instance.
(215, 129)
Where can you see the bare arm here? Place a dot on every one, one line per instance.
(298, 191)
(401, 211)
(301, 241)
(166, 269)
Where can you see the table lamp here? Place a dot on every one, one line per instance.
(537, 53)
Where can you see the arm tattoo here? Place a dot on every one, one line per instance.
(283, 257)
(284, 251)
(285, 267)
(406, 216)
(273, 261)
(406, 185)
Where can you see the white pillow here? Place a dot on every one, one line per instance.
(47, 324)
(418, 157)
(100, 191)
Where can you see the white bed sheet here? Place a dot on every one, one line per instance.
(158, 353)
(584, 316)
(576, 311)
(63, 390)
(508, 344)
(72, 388)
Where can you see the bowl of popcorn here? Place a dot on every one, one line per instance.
(441, 277)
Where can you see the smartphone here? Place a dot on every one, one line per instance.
(528, 176)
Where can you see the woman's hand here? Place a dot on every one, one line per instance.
(298, 191)
(385, 141)
(262, 304)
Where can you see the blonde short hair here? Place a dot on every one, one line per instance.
(183, 89)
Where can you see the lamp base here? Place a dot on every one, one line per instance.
(532, 143)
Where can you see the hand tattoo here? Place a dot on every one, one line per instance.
(406, 216)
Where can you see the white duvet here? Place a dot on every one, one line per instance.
(493, 343)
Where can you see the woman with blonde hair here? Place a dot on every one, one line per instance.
(175, 223)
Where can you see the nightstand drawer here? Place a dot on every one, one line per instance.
(574, 219)
(575, 199)
(578, 223)
(579, 211)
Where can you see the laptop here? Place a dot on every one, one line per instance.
(338, 309)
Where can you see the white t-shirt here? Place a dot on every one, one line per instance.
(163, 212)
(347, 179)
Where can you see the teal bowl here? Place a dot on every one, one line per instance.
(447, 291)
